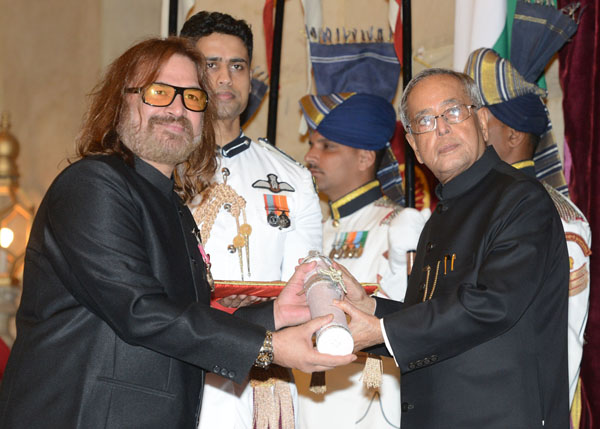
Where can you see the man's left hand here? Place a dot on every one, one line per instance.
(365, 328)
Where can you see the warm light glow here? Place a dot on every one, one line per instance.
(6, 237)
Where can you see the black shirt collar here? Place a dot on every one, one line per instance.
(152, 175)
(235, 147)
(470, 177)
(355, 200)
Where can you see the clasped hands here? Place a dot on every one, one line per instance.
(292, 342)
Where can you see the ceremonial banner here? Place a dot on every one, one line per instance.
(491, 24)
(370, 68)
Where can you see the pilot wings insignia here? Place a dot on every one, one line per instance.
(273, 184)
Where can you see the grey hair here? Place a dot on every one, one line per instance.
(469, 85)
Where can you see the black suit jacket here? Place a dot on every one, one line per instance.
(114, 327)
(481, 339)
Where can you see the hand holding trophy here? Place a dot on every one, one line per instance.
(322, 286)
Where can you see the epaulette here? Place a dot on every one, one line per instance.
(263, 142)
(384, 201)
(393, 206)
(566, 209)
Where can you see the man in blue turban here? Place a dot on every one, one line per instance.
(519, 129)
(517, 121)
(367, 232)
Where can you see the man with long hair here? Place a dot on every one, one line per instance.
(114, 327)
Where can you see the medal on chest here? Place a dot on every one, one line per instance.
(348, 244)
(277, 210)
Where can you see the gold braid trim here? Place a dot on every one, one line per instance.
(286, 406)
(578, 280)
(214, 197)
(205, 213)
(372, 372)
(577, 406)
(272, 401)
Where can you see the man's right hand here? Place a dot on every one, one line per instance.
(293, 348)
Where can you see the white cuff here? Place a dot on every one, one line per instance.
(387, 343)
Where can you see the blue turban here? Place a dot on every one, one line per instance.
(507, 86)
(363, 121)
(526, 113)
(507, 94)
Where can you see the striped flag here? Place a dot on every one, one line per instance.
(488, 24)
(478, 24)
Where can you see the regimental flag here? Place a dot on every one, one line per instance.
(369, 67)
(479, 24)
(353, 61)
(489, 24)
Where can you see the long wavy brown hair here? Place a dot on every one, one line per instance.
(138, 67)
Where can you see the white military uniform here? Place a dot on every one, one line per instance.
(258, 172)
(579, 243)
(369, 235)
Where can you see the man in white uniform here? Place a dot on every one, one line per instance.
(517, 121)
(260, 215)
(366, 232)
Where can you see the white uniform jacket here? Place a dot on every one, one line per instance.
(272, 184)
(579, 243)
(263, 176)
(370, 235)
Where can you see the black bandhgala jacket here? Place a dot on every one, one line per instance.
(481, 339)
(114, 327)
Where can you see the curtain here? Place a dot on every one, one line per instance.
(579, 71)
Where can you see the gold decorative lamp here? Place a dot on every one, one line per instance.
(16, 217)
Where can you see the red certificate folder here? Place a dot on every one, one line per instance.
(263, 289)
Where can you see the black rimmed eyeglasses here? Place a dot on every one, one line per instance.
(162, 95)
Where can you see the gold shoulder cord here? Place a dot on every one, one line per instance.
(220, 195)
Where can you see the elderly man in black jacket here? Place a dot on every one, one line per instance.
(115, 328)
(481, 339)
